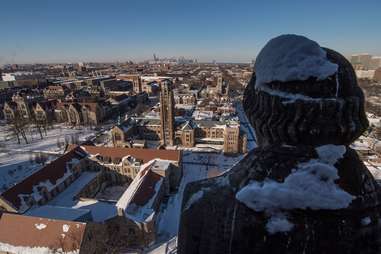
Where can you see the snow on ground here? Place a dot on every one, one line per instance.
(48, 143)
(16, 166)
(65, 198)
(196, 166)
(217, 162)
(112, 193)
(17, 160)
(246, 126)
(168, 221)
(100, 210)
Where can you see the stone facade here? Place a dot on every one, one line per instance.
(135, 79)
(80, 113)
(23, 106)
(44, 112)
(55, 92)
(185, 99)
(9, 111)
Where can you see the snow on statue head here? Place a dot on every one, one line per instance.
(303, 94)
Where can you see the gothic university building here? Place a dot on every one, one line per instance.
(167, 108)
(227, 135)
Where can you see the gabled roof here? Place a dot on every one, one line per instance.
(141, 154)
(188, 125)
(139, 202)
(12, 104)
(19, 234)
(51, 173)
(47, 105)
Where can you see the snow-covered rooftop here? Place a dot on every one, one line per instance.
(137, 202)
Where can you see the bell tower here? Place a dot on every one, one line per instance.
(167, 119)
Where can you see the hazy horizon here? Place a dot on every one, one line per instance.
(45, 31)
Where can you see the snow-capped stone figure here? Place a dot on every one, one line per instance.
(303, 189)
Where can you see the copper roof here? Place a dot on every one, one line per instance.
(142, 154)
(52, 172)
(27, 231)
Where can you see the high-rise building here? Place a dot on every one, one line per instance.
(362, 59)
(375, 62)
(167, 108)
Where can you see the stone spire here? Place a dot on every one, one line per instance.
(303, 189)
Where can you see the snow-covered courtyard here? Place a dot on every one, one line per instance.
(100, 210)
(52, 142)
(15, 166)
(17, 161)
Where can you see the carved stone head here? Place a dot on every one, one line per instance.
(308, 102)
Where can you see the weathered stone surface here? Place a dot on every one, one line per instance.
(325, 119)
(214, 221)
(219, 223)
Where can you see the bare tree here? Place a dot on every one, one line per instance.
(19, 126)
(41, 124)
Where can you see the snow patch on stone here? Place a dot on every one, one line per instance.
(310, 185)
(292, 57)
(278, 224)
(366, 221)
(194, 198)
(330, 153)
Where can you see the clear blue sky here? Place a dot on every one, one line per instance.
(233, 31)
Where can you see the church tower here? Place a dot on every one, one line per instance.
(220, 82)
(167, 119)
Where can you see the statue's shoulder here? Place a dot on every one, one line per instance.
(218, 190)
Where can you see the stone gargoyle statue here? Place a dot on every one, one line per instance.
(303, 189)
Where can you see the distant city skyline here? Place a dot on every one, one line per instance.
(45, 31)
